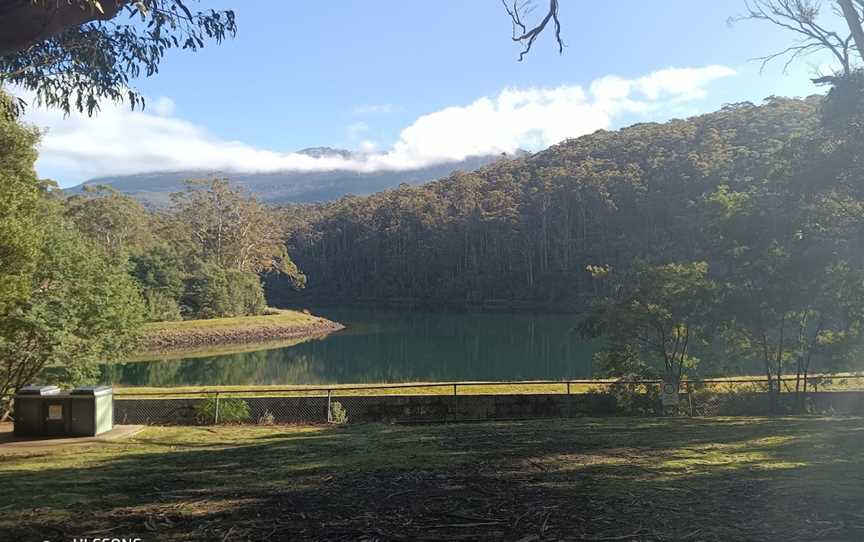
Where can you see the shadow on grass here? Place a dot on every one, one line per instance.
(717, 479)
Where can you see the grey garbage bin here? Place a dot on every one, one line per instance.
(31, 410)
(91, 411)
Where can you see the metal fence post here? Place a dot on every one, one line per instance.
(216, 414)
(690, 398)
(454, 390)
(329, 410)
(568, 388)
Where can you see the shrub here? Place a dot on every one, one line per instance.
(245, 294)
(730, 399)
(634, 398)
(159, 273)
(231, 410)
(338, 414)
(212, 292)
(161, 307)
(267, 418)
(207, 292)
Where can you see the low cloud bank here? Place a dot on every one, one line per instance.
(119, 141)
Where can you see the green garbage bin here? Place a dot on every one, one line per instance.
(91, 411)
(31, 409)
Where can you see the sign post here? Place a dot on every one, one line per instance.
(669, 395)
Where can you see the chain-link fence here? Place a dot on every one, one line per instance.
(492, 400)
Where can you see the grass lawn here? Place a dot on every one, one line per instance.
(583, 479)
(277, 317)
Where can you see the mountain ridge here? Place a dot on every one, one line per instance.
(153, 188)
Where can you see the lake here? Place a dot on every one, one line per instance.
(392, 346)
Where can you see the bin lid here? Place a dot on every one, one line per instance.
(93, 390)
(38, 390)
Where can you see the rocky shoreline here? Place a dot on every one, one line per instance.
(166, 341)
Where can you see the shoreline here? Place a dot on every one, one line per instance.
(437, 305)
(279, 325)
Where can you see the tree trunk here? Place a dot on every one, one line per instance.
(25, 23)
(851, 15)
(7, 412)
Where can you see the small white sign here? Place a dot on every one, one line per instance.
(669, 394)
(55, 412)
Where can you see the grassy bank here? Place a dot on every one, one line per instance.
(588, 479)
(277, 327)
(274, 317)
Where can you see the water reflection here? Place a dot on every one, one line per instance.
(393, 346)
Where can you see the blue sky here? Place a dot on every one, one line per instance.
(357, 74)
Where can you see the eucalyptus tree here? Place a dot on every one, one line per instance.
(81, 308)
(653, 316)
(225, 225)
(526, 33)
(841, 36)
(74, 53)
(788, 245)
(20, 231)
(114, 220)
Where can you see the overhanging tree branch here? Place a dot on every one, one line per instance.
(518, 10)
(802, 17)
(26, 23)
(72, 54)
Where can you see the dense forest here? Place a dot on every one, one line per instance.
(737, 233)
(202, 258)
(522, 232)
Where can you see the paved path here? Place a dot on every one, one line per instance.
(9, 443)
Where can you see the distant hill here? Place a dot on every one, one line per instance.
(153, 188)
(521, 233)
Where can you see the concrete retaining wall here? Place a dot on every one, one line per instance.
(427, 408)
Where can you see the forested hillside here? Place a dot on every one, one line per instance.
(522, 232)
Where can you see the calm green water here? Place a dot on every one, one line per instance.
(393, 346)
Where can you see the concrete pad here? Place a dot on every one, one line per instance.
(9, 443)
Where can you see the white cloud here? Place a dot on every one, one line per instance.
(120, 141)
(367, 146)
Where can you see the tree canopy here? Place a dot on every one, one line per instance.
(73, 54)
(654, 317)
(65, 302)
(82, 309)
(20, 231)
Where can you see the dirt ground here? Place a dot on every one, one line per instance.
(589, 479)
(13, 444)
